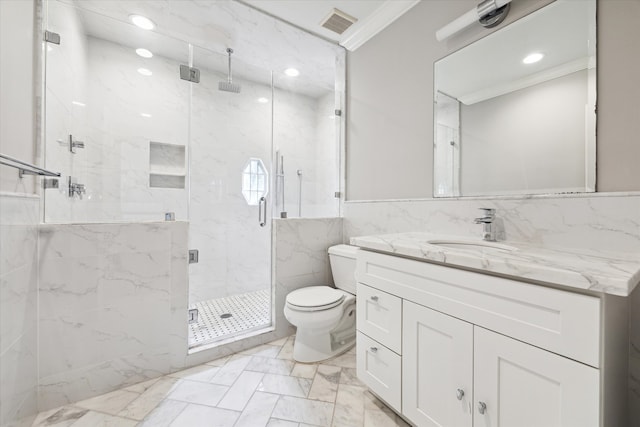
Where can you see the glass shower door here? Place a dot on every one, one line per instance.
(229, 177)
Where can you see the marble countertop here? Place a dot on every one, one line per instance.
(616, 274)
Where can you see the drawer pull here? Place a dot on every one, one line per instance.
(459, 393)
(374, 298)
(374, 349)
(482, 407)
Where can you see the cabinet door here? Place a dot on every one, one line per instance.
(526, 386)
(437, 363)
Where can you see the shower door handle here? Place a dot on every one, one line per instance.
(262, 212)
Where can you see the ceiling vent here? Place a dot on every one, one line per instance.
(338, 21)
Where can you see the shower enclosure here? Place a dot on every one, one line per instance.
(136, 122)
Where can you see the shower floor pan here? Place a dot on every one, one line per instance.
(224, 318)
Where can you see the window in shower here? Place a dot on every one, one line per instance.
(254, 181)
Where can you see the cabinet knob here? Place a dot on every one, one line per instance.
(374, 349)
(482, 407)
(374, 298)
(459, 393)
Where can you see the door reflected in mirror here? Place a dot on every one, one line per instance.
(515, 111)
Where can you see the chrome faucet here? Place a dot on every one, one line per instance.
(76, 189)
(488, 226)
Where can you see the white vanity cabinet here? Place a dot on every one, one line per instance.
(486, 351)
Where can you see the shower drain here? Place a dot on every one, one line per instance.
(226, 315)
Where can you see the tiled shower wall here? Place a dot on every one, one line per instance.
(226, 131)
(19, 217)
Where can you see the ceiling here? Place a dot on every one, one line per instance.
(372, 16)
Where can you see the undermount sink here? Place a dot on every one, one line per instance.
(472, 244)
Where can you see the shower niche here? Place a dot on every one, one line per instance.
(167, 165)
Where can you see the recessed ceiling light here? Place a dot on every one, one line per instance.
(263, 100)
(147, 115)
(532, 58)
(144, 53)
(292, 72)
(79, 104)
(142, 22)
(145, 72)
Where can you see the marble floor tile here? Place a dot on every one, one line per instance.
(59, 417)
(325, 383)
(95, 419)
(265, 350)
(274, 422)
(219, 362)
(111, 403)
(285, 385)
(231, 370)
(163, 414)
(304, 370)
(259, 387)
(303, 411)
(279, 342)
(202, 373)
(197, 392)
(258, 410)
(270, 366)
(287, 349)
(147, 401)
(205, 416)
(241, 391)
(345, 360)
(143, 386)
(349, 410)
(350, 376)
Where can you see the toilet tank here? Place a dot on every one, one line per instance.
(343, 267)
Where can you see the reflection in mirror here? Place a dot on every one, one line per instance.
(515, 111)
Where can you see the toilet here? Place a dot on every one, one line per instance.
(324, 316)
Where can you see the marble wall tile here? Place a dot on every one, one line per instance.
(112, 306)
(18, 316)
(300, 256)
(606, 221)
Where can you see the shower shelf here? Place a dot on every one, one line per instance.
(166, 165)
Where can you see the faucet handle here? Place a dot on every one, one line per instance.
(488, 211)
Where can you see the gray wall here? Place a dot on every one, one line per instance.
(390, 125)
(539, 135)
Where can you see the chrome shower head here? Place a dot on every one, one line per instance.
(229, 86)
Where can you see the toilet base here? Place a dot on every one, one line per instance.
(311, 348)
(313, 345)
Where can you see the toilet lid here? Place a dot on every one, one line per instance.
(318, 297)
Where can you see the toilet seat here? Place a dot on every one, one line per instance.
(315, 298)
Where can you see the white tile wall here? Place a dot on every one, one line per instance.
(18, 309)
(112, 306)
(608, 221)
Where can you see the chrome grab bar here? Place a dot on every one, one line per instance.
(262, 212)
(26, 168)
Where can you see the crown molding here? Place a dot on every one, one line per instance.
(383, 16)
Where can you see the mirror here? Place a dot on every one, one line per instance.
(515, 111)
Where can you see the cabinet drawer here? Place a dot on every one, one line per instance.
(380, 369)
(562, 322)
(379, 315)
